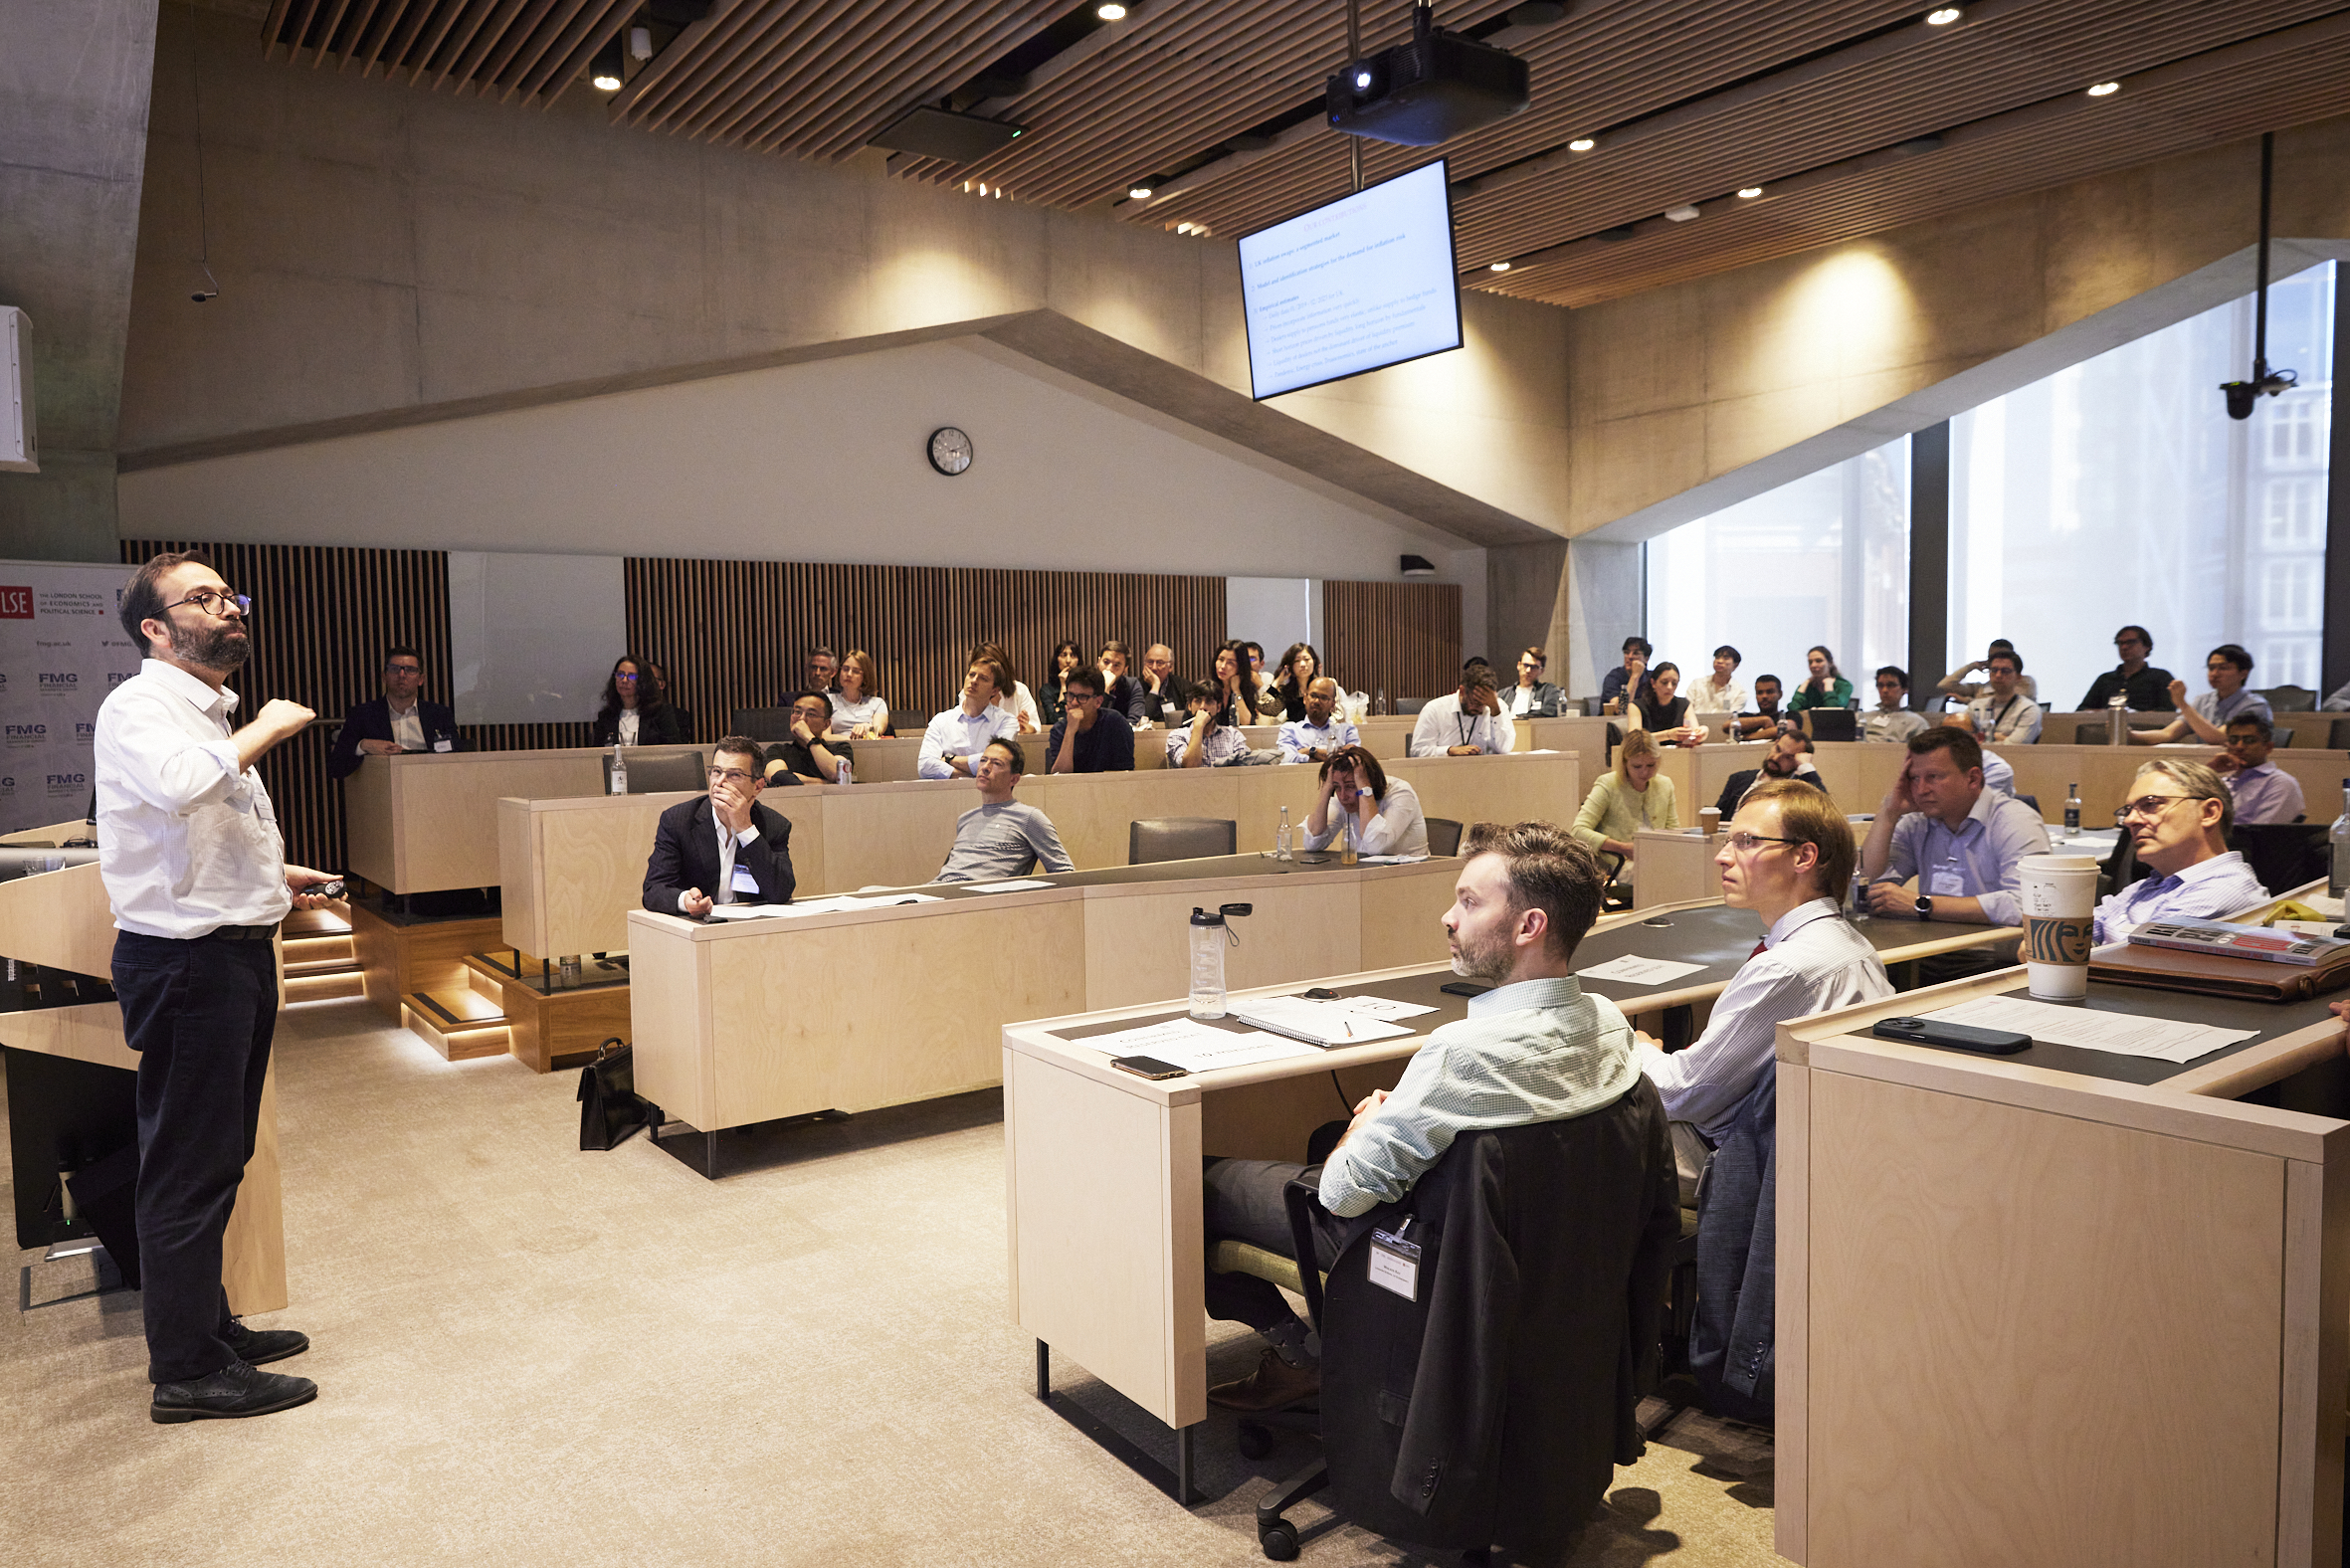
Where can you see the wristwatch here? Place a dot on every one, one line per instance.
(1925, 907)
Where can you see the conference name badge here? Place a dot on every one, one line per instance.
(744, 881)
(1395, 1264)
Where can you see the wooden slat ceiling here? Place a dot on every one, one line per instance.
(1690, 100)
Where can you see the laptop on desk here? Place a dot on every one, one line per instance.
(1831, 723)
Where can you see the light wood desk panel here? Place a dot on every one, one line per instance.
(1138, 949)
(1674, 867)
(60, 920)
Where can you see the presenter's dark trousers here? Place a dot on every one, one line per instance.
(200, 1014)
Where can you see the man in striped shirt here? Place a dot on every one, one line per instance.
(1534, 1049)
(2176, 816)
(1788, 856)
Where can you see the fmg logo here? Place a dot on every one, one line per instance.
(16, 604)
(65, 680)
(66, 780)
(114, 678)
(84, 734)
(27, 732)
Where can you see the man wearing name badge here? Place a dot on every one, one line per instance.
(1790, 758)
(1892, 719)
(2265, 793)
(954, 739)
(399, 720)
(1002, 836)
(2176, 816)
(1090, 736)
(1789, 858)
(1962, 841)
(1320, 733)
(723, 847)
(1534, 1048)
(194, 870)
(1469, 722)
(2001, 713)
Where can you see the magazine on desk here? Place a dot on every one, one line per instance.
(2223, 940)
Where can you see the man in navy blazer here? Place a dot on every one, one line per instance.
(399, 720)
(723, 847)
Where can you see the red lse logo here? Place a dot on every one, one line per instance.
(16, 604)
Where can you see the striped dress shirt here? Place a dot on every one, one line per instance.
(2210, 890)
(1536, 1051)
(2266, 794)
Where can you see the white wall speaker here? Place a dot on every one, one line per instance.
(20, 452)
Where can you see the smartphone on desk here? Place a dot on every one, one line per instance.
(1951, 1037)
(1149, 1068)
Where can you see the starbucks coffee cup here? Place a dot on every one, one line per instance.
(1708, 820)
(2060, 901)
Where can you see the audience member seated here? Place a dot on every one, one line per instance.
(1892, 719)
(1013, 697)
(1621, 687)
(2176, 817)
(1002, 836)
(1662, 713)
(633, 713)
(1322, 732)
(1536, 1048)
(2263, 792)
(824, 670)
(813, 756)
(1158, 696)
(2145, 688)
(1531, 696)
(858, 710)
(1826, 689)
(1300, 668)
(955, 737)
(661, 682)
(1256, 687)
(1627, 799)
(1207, 741)
(2000, 713)
(1962, 841)
(2208, 716)
(1118, 689)
(1381, 815)
(1720, 691)
(1767, 717)
(724, 847)
(1958, 685)
(1236, 695)
(1997, 775)
(1466, 723)
(399, 720)
(1789, 758)
(1089, 738)
(1789, 859)
(1066, 656)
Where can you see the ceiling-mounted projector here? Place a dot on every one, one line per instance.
(1428, 91)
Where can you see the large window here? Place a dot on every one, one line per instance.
(2119, 491)
(1824, 559)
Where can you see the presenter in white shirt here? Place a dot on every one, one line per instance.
(195, 872)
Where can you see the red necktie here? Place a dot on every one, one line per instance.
(1758, 949)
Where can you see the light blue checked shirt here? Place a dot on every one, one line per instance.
(1537, 1050)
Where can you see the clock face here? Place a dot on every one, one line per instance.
(950, 450)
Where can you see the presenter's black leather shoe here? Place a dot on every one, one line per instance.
(261, 1346)
(1275, 1385)
(235, 1390)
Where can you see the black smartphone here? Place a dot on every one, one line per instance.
(1954, 1037)
(1149, 1068)
(1464, 988)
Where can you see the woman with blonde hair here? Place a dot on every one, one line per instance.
(1625, 799)
(858, 710)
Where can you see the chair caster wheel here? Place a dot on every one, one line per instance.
(1256, 1441)
(1279, 1540)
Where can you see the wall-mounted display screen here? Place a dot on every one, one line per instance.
(1364, 281)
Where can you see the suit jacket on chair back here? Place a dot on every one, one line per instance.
(1494, 1406)
(685, 856)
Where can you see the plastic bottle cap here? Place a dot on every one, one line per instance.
(1206, 917)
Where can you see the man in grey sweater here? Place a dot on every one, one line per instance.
(1000, 836)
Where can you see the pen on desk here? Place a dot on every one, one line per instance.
(1348, 1026)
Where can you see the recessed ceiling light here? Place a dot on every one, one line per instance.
(1140, 190)
(1943, 16)
(1111, 11)
(604, 82)
(1499, 266)
(1749, 192)
(1685, 212)
(1582, 144)
(2105, 90)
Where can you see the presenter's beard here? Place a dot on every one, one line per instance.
(1488, 962)
(215, 648)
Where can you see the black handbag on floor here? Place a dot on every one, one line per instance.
(609, 1110)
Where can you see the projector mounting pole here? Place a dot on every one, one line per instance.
(1354, 52)
(2260, 305)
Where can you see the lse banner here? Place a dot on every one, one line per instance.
(62, 650)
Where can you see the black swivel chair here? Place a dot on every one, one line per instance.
(2290, 700)
(1153, 839)
(763, 723)
(1444, 836)
(1408, 705)
(657, 775)
(2283, 855)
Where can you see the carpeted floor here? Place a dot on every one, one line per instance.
(532, 1355)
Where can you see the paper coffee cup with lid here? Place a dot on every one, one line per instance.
(2060, 904)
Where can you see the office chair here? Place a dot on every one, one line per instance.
(2283, 855)
(657, 775)
(1444, 836)
(2033, 802)
(1151, 839)
(2285, 735)
(2291, 699)
(1410, 705)
(2339, 740)
(1591, 705)
(763, 723)
(2120, 867)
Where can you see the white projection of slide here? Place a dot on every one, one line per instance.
(1365, 281)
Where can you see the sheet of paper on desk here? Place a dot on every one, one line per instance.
(1382, 1007)
(1187, 1043)
(1639, 971)
(1389, 860)
(1016, 885)
(1330, 1024)
(2124, 1033)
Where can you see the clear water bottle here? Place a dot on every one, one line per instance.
(2338, 840)
(616, 773)
(1345, 835)
(1860, 895)
(1281, 837)
(1208, 935)
(1379, 701)
(2073, 808)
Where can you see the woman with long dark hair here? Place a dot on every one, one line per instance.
(1298, 669)
(633, 713)
(1826, 689)
(1235, 685)
(1052, 695)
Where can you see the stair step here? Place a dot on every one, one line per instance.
(327, 987)
(468, 1009)
(458, 1023)
(333, 920)
(305, 967)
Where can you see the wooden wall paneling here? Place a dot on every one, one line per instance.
(1400, 637)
